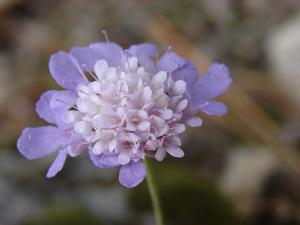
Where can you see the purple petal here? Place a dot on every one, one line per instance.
(170, 62)
(52, 105)
(111, 52)
(104, 161)
(132, 174)
(66, 70)
(41, 141)
(61, 102)
(145, 53)
(213, 83)
(187, 73)
(43, 107)
(175, 151)
(63, 99)
(58, 163)
(76, 148)
(86, 57)
(213, 108)
(160, 154)
(194, 122)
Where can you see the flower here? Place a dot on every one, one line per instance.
(121, 106)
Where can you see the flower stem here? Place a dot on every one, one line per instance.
(153, 193)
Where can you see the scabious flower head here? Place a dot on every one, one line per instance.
(121, 106)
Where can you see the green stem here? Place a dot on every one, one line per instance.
(153, 193)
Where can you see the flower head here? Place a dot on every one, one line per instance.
(121, 106)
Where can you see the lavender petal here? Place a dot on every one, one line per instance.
(213, 83)
(213, 108)
(187, 73)
(41, 141)
(43, 107)
(58, 163)
(52, 104)
(111, 52)
(104, 161)
(132, 174)
(170, 62)
(66, 70)
(145, 53)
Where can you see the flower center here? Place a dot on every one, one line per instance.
(126, 100)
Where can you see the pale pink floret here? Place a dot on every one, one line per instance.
(128, 112)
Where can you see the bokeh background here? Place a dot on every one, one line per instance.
(243, 168)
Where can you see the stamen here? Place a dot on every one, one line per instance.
(127, 56)
(59, 100)
(105, 35)
(168, 49)
(71, 106)
(82, 92)
(169, 81)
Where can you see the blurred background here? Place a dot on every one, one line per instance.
(243, 168)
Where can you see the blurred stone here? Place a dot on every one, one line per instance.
(283, 54)
(245, 173)
(108, 203)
